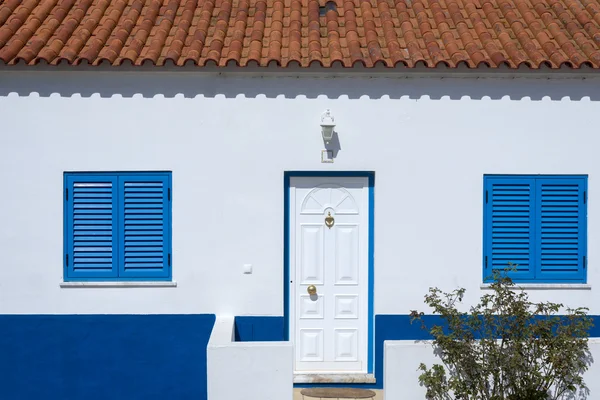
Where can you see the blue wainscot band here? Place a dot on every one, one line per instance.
(102, 357)
(99, 357)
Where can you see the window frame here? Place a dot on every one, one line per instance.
(533, 246)
(167, 235)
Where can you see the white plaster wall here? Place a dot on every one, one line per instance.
(228, 141)
(247, 370)
(402, 359)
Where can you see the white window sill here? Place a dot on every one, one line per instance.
(121, 284)
(547, 286)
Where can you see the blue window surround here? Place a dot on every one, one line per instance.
(544, 227)
(153, 257)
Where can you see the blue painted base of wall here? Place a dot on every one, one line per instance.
(89, 357)
(259, 329)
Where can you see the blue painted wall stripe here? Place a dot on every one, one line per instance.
(259, 329)
(100, 357)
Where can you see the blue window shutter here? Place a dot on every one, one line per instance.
(145, 226)
(91, 241)
(561, 230)
(509, 220)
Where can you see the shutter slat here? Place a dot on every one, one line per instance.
(145, 226)
(142, 237)
(561, 230)
(91, 227)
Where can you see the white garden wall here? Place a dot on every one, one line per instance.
(402, 359)
(247, 370)
(228, 141)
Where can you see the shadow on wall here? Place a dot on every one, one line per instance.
(191, 84)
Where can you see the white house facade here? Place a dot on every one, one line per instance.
(202, 232)
(246, 193)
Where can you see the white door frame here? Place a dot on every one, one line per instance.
(289, 274)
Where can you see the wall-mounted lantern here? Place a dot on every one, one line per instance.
(327, 126)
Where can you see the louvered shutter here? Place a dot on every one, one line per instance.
(561, 230)
(509, 216)
(90, 227)
(145, 226)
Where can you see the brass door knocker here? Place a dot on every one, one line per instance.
(329, 221)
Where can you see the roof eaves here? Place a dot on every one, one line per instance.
(462, 70)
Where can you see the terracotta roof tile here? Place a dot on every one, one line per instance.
(302, 32)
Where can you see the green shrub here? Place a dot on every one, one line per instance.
(505, 347)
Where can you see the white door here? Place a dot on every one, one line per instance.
(329, 239)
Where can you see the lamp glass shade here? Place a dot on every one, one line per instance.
(327, 131)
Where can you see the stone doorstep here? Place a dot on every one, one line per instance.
(334, 378)
(338, 393)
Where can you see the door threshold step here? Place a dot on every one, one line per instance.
(334, 378)
(338, 393)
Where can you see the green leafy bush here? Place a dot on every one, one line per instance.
(505, 347)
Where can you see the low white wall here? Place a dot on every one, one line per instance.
(247, 370)
(402, 358)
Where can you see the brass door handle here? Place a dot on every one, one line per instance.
(311, 290)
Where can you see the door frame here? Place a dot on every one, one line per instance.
(370, 175)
